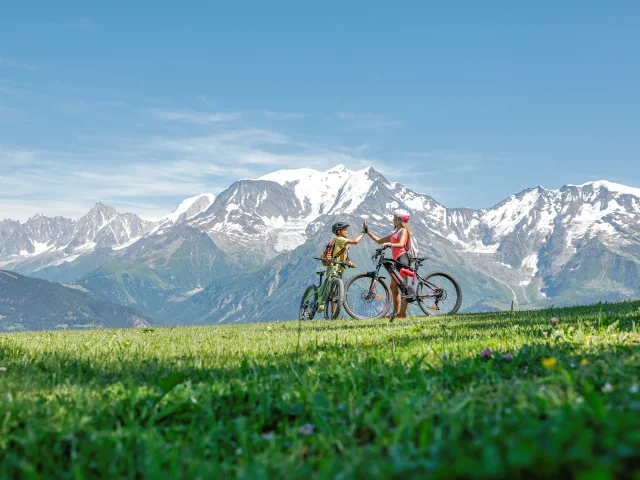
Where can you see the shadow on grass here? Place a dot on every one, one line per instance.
(48, 370)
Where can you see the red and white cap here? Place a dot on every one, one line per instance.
(402, 215)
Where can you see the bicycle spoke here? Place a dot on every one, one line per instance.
(366, 301)
(308, 304)
(438, 295)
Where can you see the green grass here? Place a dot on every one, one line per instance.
(345, 399)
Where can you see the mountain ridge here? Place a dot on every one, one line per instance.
(511, 251)
(34, 304)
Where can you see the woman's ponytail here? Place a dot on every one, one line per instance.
(406, 226)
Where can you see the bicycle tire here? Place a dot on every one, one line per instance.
(430, 310)
(305, 314)
(334, 300)
(350, 309)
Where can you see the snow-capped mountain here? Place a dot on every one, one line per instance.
(535, 247)
(63, 239)
(43, 241)
(270, 215)
(189, 208)
(516, 250)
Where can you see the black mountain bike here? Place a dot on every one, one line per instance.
(367, 294)
(331, 290)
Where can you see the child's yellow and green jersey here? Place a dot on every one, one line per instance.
(340, 244)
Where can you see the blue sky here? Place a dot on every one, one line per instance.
(141, 104)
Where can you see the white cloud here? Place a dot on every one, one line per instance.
(151, 173)
(191, 116)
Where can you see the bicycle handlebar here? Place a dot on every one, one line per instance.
(344, 264)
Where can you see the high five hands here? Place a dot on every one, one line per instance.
(365, 229)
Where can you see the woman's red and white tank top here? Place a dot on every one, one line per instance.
(397, 252)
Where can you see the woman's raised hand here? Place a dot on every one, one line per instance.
(365, 229)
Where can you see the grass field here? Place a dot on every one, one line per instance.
(490, 395)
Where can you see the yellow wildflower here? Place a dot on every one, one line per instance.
(550, 363)
(584, 361)
(367, 344)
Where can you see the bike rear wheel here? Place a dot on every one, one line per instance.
(335, 299)
(366, 297)
(439, 294)
(309, 303)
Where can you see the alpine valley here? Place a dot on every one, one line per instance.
(247, 254)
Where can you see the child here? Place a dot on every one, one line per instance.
(340, 251)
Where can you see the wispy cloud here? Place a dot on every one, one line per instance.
(191, 116)
(365, 121)
(7, 62)
(278, 115)
(152, 172)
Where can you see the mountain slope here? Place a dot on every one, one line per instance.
(167, 266)
(270, 215)
(34, 304)
(43, 242)
(43, 246)
(525, 249)
(267, 293)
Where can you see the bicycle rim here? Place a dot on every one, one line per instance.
(362, 301)
(441, 295)
(335, 297)
(308, 304)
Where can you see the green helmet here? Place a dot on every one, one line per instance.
(338, 226)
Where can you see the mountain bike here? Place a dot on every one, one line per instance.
(331, 291)
(367, 294)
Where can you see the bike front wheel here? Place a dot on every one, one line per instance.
(335, 299)
(439, 294)
(366, 297)
(309, 303)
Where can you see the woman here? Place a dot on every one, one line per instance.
(400, 243)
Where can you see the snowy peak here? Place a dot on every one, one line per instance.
(337, 173)
(271, 214)
(102, 209)
(615, 188)
(191, 207)
(63, 239)
(335, 191)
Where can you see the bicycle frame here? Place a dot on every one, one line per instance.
(389, 264)
(321, 292)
